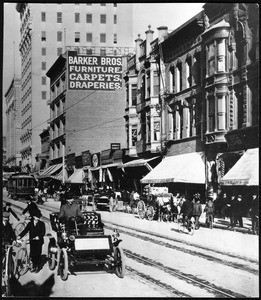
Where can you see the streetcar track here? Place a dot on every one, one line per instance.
(185, 277)
(162, 236)
(192, 252)
(189, 278)
(159, 285)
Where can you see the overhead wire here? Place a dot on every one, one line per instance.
(87, 96)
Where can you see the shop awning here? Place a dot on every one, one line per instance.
(138, 163)
(59, 176)
(77, 176)
(185, 168)
(50, 171)
(245, 170)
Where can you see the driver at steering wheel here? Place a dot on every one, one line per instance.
(69, 211)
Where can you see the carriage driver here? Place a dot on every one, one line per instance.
(68, 211)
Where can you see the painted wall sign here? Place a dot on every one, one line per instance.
(94, 72)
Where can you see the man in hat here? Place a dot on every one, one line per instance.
(68, 212)
(70, 209)
(239, 210)
(36, 229)
(254, 213)
(8, 234)
(32, 208)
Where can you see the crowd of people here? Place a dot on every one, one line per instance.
(232, 207)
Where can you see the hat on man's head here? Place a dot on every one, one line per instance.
(37, 214)
(8, 204)
(239, 196)
(6, 214)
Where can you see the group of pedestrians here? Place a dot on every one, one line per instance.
(35, 228)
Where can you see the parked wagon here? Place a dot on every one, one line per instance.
(83, 245)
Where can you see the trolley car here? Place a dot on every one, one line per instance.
(21, 185)
(83, 245)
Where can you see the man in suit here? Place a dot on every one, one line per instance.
(36, 229)
(31, 208)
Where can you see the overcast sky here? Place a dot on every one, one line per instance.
(171, 15)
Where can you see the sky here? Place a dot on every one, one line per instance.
(171, 15)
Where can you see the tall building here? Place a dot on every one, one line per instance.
(13, 122)
(46, 32)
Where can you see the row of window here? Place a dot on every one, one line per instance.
(89, 19)
(77, 38)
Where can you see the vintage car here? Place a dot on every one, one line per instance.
(82, 242)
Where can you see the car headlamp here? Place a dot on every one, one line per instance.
(72, 238)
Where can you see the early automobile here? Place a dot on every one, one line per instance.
(81, 242)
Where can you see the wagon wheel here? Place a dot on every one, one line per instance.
(22, 263)
(150, 213)
(51, 258)
(63, 265)
(141, 209)
(119, 261)
(9, 271)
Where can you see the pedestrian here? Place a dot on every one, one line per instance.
(45, 193)
(39, 197)
(36, 229)
(239, 210)
(31, 208)
(197, 210)
(254, 213)
(231, 210)
(209, 209)
(224, 202)
(186, 210)
(8, 234)
(8, 208)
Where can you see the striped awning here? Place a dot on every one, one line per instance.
(50, 171)
(245, 170)
(59, 176)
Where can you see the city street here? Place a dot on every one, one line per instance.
(162, 262)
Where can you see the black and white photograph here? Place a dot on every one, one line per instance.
(130, 139)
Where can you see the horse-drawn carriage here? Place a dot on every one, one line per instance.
(82, 242)
(156, 205)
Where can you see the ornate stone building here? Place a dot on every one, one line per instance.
(207, 98)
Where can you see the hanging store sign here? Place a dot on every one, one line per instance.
(94, 72)
(95, 160)
(86, 158)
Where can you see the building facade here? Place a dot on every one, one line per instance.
(207, 98)
(84, 121)
(13, 122)
(46, 32)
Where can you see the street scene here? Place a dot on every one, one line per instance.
(130, 150)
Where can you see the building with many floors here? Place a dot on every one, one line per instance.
(46, 32)
(13, 122)
(198, 87)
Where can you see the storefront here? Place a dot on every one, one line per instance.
(180, 173)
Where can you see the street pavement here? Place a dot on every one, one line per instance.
(237, 242)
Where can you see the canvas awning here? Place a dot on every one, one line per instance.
(59, 176)
(77, 176)
(245, 170)
(138, 163)
(50, 171)
(185, 168)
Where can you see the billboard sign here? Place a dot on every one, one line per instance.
(94, 72)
